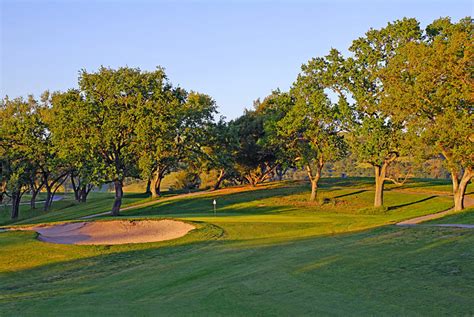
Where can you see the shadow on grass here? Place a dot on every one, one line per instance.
(186, 276)
(350, 194)
(411, 203)
(245, 202)
(346, 182)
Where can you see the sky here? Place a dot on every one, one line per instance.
(235, 51)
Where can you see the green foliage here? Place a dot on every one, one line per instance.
(378, 136)
(375, 141)
(219, 150)
(274, 108)
(19, 128)
(429, 86)
(171, 130)
(311, 126)
(256, 158)
(25, 149)
(110, 116)
(185, 179)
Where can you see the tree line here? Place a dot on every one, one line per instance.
(403, 92)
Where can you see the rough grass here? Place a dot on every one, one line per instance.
(266, 252)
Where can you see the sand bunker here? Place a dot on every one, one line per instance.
(112, 232)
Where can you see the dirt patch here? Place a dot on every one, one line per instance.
(112, 232)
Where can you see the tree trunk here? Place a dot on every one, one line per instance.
(3, 188)
(83, 194)
(220, 178)
(50, 201)
(118, 197)
(148, 186)
(34, 193)
(458, 200)
(379, 185)
(156, 185)
(16, 197)
(279, 173)
(87, 190)
(459, 188)
(75, 188)
(48, 198)
(251, 181)
(314, 180)
(314, 190)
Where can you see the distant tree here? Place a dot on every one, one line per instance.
(219, 151)
(256, 159)
(273, 109)
(69, 138)
(429, 87)
(52, 168)
(171, 130)
(3, 174)
(311, 129)
(19, 129)
(158, 144)
(105, 121)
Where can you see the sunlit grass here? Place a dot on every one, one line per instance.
(266, 251)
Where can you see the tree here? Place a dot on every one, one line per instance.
(76, 154)
(170, 130)
(52, 168)
(378, 138)
(311, 128)
(378, 142)
(102, 116)
(429, 87)
(19, 129)
(32, 153)
(273, 109)
(255, 159)
(375, 137)
(157, 130)
(219, 151)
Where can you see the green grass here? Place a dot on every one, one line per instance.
(387, 271)
(267, 252)
(67, 208)
(463, 217)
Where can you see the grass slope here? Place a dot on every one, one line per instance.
(463, 217)
(266, 252)
(387, 271)
(67, 208)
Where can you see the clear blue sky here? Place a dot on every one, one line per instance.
(236, 51)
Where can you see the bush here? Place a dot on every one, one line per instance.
(208, 179)
(184, 180)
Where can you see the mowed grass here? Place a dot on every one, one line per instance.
(281, 211)
(386, 271)
(267, 251)
(464, 217)
(67, 208)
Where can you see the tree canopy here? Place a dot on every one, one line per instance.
(400, 90)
